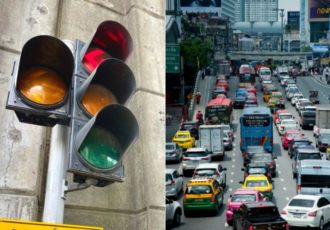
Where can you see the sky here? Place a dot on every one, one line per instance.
(289, 5)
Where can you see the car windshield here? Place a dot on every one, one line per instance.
(288, 122)
(257, 171)
(284, 117)
(170, 147)
(302, 203)
(309, 114)
(304, 156)
(199, 189)
(205, 172)
(243, 197)
(256, 183)
(196, 154)
(182, 136)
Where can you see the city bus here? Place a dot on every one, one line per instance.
(256, 124)
(219, 111)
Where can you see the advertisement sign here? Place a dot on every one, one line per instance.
(319, 9)
(208, 6)
(317, 48)
(293, 18)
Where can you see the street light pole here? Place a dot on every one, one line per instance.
(282, 32)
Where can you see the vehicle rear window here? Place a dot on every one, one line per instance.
(264, 157)
(304, 156)
(168, 177)
(205, 172)
(263, 212)
(284, 117)
(199, 189)
(302, 203)
(170, 147)
(243, 197)
(256, 183)
(195, 154)
(318, 181)
(257, 171)
(182, 136)
(309, 114)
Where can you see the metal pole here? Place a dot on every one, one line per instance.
(282, 15)
(54, 199)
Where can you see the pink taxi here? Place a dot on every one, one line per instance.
(288, 137)
(242, 195)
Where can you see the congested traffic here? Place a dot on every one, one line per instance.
(264, 117)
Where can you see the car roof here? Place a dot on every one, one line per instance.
(245, 191)
(256, 177)
(196, 149)
(307, 150)
(307, 196)
(207, 165)
(200, 180)
(168, 170)
(258, 204)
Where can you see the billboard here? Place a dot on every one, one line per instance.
(293, 18)
(213, 6)
(319, 9)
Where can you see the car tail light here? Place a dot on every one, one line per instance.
(298, 188)
(213, 198)
(205, 158)
(250, 227)
(172, 182)
(284, 212)
(268, 175)
(287, 226)
(185, 159)
(281, 127)
(314, 213)
(184, 199)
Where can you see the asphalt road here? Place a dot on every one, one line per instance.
(284, 186)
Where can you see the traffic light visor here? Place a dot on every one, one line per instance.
(45, 72)
(111, 39)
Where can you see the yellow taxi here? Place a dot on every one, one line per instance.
(276, 101)
(260, 183)
(327, 153)
(204, 193)
(268, 92)
(184, 139)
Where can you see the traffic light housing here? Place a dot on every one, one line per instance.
(102, 128)
(39, 92)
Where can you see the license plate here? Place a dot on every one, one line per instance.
(198, 200)
(296, 216)
(310, 124)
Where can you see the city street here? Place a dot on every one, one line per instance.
(284, 186)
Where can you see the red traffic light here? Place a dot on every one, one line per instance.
(111, 40)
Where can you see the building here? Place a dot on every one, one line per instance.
(228, 10)
(257, 10)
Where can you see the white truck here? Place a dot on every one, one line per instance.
(211, 138)
(322, 121)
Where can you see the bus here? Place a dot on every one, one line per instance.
(246, 74)
(256, 125)
(219, 111)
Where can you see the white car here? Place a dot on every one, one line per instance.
(284, 116)
(173, 212)
(291, 91)
(283, 79)
(295, 97)
(174, 183)
(290, 85)
(212, 170)
(193, 157)
(303, 104)
(307, 211)
(287, 124)
(300, 101)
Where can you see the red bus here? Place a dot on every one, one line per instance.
(219, 111)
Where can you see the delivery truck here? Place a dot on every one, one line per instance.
(211, 138)
(322, 120)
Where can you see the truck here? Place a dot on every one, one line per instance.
(258, 215)
(224, 68)
(211, 138)
(322, 120)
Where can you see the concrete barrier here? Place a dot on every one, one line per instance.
(191, 105)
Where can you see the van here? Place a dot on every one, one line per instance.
(304, 153)
(307, 119)
(313, 177)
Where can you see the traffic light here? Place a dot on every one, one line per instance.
(102, 128)
(39, 92)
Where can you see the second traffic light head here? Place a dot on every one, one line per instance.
(111, 83)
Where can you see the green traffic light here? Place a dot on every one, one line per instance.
(100, 149)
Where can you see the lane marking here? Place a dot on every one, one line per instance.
(287, 198)
(234, 159)
(232, 173)
(279, 172)
(284, 188)
(233, 166)
(231, 181)
(234, 154)
(282, 179)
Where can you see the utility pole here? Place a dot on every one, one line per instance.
(282, 31)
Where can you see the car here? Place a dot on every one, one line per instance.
(173, 212)
(227, 129)
(227, 141)
(173, 152)
(214, 170)
(323, 141)
(288, 137)
(252, 89)
(327, 153)
(295, 142)
(290, 81)
(260, 183)
(268, 91)
(257, 168)
(194, 156)
(296, 97)
(202, 194)
(191, 126)
(290, 91)
(251, 97)
(286, 115)
(250, 151)
(239, 102)
(302, 100)
(303, 153)
(275, 104)
(283, 79)
(240, 196)
(307, 119)
(250, 103)
(264, 83)
(219, 91)
(305, 210)
(184, 139)
(287, 124)
(174, 183)
(266, 158)
(306, 107)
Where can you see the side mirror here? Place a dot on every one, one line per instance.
(241, 182)
(242, 169)
(224, 169)
(275, 157)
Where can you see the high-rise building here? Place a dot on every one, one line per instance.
(257, 10)
(228, 9)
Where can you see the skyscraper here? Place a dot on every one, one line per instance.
(228, 9)
(257, 10)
